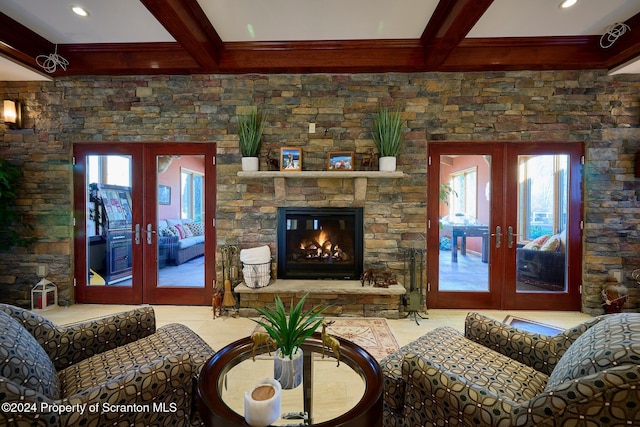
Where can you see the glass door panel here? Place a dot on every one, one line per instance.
(464, 223)
(541, 241)
(180, 217)
(109, 220)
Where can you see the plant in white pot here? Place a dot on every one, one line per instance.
(250, 128)
(289, 330)
(388, 136)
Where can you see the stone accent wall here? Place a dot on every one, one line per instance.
(520, 107)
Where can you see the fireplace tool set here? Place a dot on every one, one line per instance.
(230, 274)
(414, 266)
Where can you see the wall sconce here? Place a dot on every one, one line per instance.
(12, 113)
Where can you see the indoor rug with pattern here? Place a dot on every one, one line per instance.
(371, 333)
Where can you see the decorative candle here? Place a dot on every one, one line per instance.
(262, 404)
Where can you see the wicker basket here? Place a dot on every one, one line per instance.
(256, 275)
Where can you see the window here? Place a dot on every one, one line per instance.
(464, 196)
(191, 195)
(109, 170)
(542, 204)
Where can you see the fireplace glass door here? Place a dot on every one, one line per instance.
(320, 243)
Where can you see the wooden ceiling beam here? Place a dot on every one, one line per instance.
(525, 53)
(323, 56)
(449, 25)
(127, 59)
(22, 45)
(188, 24)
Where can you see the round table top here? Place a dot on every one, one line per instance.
(366, 412)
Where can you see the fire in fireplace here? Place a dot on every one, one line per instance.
(320, 243)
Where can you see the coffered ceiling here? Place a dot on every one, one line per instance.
(124, 37)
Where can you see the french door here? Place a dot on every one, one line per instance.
(504, 225)
(144, 223)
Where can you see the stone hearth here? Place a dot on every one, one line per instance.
(345, 297)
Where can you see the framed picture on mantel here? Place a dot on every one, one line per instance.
(340, 161)
(291, 159)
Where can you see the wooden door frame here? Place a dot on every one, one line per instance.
(565, 301)
(502, 262)
(457, 299)
(103, 294)
(182, 295)
(143, 154)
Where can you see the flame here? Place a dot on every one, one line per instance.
(322, 238)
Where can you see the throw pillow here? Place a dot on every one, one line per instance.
(537, 242)
(169, 231)
(24, 361)
(197, 228)
(187, 230)
(181, 232)
(551, 245)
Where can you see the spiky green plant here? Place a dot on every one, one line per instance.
(250, 128)
(290, 330)
(387, 131)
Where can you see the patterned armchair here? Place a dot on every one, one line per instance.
(117, 370)
(496, 375)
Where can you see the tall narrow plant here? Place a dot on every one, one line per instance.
(11, 222)
(250, 128)
(387, 131)
(289, 330)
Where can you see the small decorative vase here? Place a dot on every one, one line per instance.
(288, 371)
(387, 164)
(262, 404)
(250, 164)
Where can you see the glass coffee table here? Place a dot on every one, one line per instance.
(348, 395)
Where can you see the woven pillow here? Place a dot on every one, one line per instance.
(170, 231)
(23, 361)
(551, 245)
(197, 228)
(612, 342)
(536, 243)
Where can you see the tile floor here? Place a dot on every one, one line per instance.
(224, 330)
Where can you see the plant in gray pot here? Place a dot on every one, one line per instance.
(250, 128)
(289, 330)
(388, 136)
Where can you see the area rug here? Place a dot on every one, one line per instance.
(371, 333)
(532, 326)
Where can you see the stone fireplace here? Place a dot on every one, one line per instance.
(320, 243)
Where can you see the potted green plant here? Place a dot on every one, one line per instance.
(250, 128)
(289, 330)
(388, 136)
(11, 222)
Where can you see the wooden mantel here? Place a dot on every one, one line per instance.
(359, 184)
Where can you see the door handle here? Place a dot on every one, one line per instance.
(150, 232)
(137, 234)
(498, 235)
(510, 236)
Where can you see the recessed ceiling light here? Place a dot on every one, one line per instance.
(79, 10)
(568, 3)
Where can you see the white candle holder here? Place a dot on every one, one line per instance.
(262, 413)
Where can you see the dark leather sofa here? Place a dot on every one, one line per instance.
(543, 269)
